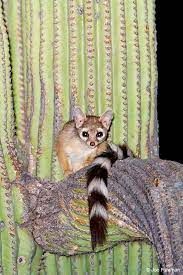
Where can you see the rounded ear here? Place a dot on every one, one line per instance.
(106, 119)
(79, 117)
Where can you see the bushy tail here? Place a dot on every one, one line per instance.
(98, 193)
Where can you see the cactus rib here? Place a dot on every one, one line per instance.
(145, 68)
(119, 73)
(90, 60)
(6, 107)
(45, 144)
(154, 75)
(133, 76)
(8, 233)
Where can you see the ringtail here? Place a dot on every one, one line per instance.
(83, 141)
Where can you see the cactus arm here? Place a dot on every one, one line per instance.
(119, 58)
(146, 216)
(61, 224)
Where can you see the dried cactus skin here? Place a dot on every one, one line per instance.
(136, 213)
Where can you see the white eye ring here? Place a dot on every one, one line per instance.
(85, 134)
(99, 134)
(102, 135)
(84, 137)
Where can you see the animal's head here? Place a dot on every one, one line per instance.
(93, 130)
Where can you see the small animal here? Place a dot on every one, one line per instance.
(83, 141)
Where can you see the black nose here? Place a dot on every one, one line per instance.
(92, 143)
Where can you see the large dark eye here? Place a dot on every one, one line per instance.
(85, 134)
(99, 134)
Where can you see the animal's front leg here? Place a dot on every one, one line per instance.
(65, 163)
(67, 173)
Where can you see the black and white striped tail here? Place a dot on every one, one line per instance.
(98, 193)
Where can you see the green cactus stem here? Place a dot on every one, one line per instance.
(55, 55)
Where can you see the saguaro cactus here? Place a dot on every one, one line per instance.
(54, 55)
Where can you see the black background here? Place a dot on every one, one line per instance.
(170, 79)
